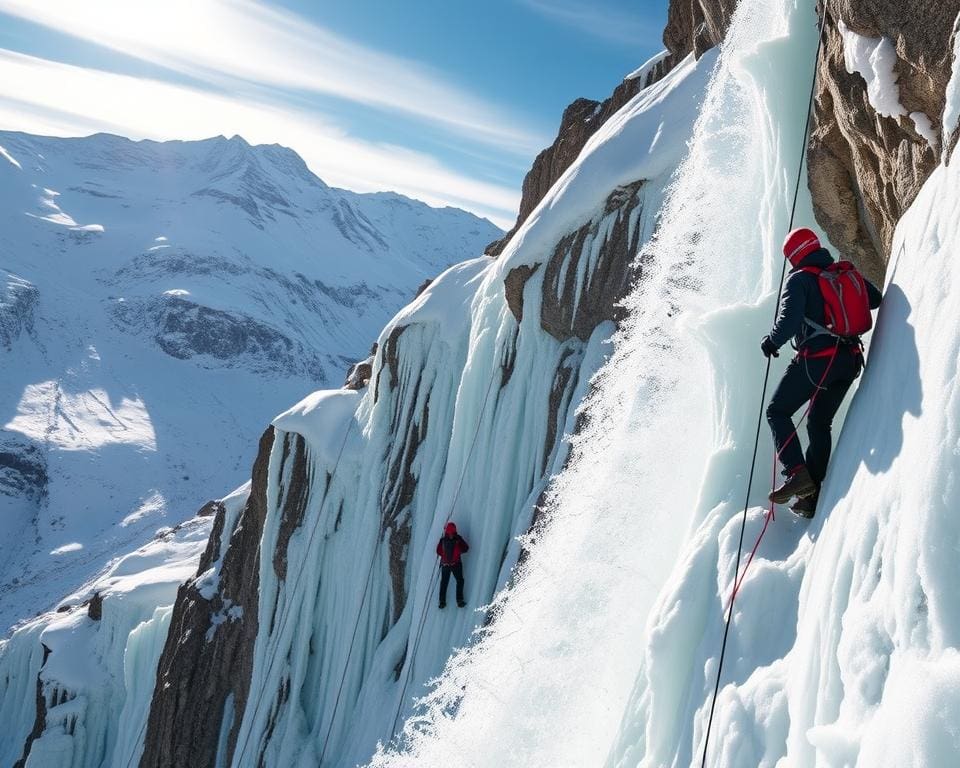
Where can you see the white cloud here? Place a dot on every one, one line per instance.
(223, 41)
(598, 20)
(48, 97)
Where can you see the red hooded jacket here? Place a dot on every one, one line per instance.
(451, 546)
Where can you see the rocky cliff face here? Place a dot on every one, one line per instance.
(196, 708)
(865, 167)
(693, 26)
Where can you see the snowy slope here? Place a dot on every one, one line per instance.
(99, 652)
(160, 302)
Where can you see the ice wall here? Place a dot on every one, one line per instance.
(474, 385)
(843, 644)
(664, 455)
(602, 644)
(871, 673)
(75, 685)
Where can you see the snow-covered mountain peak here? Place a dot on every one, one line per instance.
(160, 302)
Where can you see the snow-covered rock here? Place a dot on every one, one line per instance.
(475, 384)
(881, 110)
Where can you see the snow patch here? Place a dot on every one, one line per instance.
(154, 504)
(874, 59)
(83, 420)
(648, 66)
(72, 547)
(61, 218)
(322, 418)
(924, 126)
(10, 158)
(229, 612)
(951, 109)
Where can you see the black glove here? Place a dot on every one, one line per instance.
(768, 348)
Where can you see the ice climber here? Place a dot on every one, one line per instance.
(449, 549)
(825, 306)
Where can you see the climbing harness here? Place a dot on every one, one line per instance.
(770, 516)
(763, 398)
(408, 666)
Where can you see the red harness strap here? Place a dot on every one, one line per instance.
(832, 354)
(806, 354)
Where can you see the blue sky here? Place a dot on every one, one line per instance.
(444, 100)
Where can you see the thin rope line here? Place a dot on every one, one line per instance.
(763, 396)
(426, 601)
(353, 639)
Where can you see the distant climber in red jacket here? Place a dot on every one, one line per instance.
(449, 549)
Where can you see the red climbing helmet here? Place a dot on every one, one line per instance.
(799, 244)
(451, 528)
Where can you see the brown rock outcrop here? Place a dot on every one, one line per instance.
(695, 26)
(294, 498)
(40, 716)
(95, 607)
(580, 121)
(192, 688)
(361, 372)
(513, 285)
(572, 307)
(864, 170)
(692, 26)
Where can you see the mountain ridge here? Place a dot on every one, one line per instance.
(140, 277)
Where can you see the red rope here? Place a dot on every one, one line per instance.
(770, 515)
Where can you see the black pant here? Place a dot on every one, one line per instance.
(798, 385)
(445, 571)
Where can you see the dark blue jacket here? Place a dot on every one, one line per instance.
(802, 298)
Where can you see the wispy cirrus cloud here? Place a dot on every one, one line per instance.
(597, 19)
(48, 97)
(226, 42)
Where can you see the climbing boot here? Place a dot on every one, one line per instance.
(461, 604)
(806, 507)
(799, 484)
(442, 606)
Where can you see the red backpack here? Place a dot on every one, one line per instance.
(846, 303)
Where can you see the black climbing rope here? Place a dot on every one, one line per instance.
(353, 640)
(411, 655)
(766, 382)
